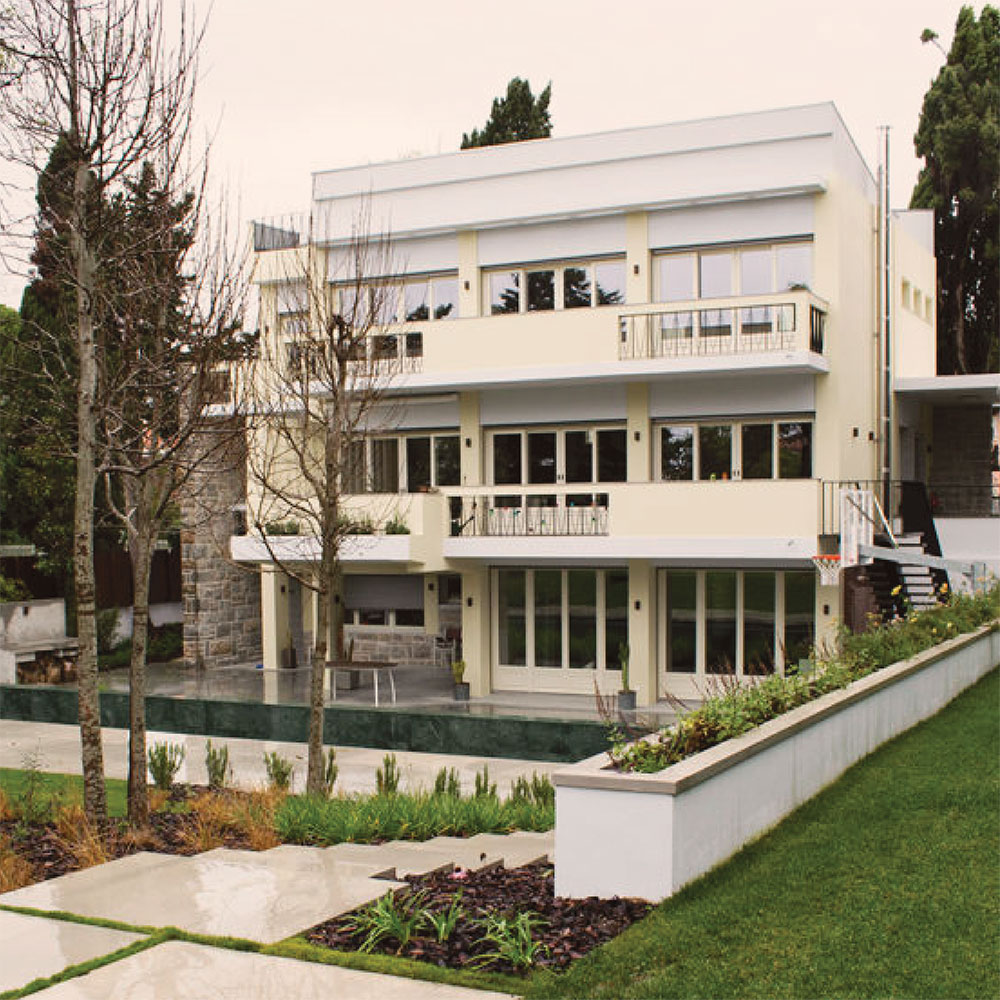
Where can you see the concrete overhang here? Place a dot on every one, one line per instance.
(354, 549)
(953, 390)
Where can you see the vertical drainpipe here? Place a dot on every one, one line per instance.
(886, 285)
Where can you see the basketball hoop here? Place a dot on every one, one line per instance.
(828, 568)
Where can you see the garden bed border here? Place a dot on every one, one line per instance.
(647, 835)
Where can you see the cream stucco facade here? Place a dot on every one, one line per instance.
(627, 364)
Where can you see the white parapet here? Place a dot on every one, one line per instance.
(647, 835)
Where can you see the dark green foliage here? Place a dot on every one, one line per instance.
(511, 937)
(279, 771)
(390, 917)
(958, 137)
(220, 773)
(446, 782)
(537, 790)
(387, 776)
(484, 787)
(165, 761)
(166, 642)
(330, 771)
(517, 116)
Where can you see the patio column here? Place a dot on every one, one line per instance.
(642, 630)
(470, 440)
(273, 615)
(432, 621)
(637, 416)
(476, 629)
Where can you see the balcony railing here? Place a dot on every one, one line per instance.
(681, 332)
(518, 515)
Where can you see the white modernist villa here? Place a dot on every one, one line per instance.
(634, 370)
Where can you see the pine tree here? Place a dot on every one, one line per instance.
(517, 116)
(958, 136)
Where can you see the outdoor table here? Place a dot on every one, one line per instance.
(373, 667)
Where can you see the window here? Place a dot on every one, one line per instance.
(418, 463)
(414, 301)
(735, 450)
(747, 622)
(578, 455)
(569, 286)
(759, 270)
(385, 465)
(394, 601)
(447, 464)
(615, 617)
(512, 616)
(374, 464)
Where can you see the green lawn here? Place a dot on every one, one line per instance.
(886, 885)
(59, 787)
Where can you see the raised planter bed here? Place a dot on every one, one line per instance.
(647, 835)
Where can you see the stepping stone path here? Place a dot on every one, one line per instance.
(265, 896)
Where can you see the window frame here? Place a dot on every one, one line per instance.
(560, 431)
(521, 274)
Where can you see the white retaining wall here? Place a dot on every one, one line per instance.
(647, 835)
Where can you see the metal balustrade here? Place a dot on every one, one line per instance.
(514, 516)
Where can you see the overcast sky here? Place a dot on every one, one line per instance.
(293, 86)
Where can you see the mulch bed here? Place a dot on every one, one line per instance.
(571, 928)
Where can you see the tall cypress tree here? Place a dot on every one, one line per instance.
(958, 137)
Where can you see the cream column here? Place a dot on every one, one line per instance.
(642, 631)
(476, 629)
(470, 439)
(637, 286)
(829, 614)
(432, 621)
(638, 440)
(273, 615)
(468, 274)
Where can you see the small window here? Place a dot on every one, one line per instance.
(506, 458)
(793, 266)
(416, 302)
(757, 444)
(445, 292)
(409, 617)
(756, 277)
(579, 457)
(418, 463)
(610, 283)
(385, 465)
(795, 450)
(676, 453)
(447, 463)
(577, 287)
(716, 275)
(541, 287)
(612, 459)
(372, 616)
(505, 292)
(715, 451)
(677, 277)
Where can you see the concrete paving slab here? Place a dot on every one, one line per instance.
(514, 849)
(222, 892)
(405, 860)
(177, 970)
(37, 947)
(57, 748)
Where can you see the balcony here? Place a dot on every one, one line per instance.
(730, 522)
(771, 333)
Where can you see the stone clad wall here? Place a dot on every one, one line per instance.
(221, 600)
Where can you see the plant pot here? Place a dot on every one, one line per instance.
(462, 691)
(626, 701)
(288, 658)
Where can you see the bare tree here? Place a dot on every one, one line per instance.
(177, 319)
(102, 76)
(318, 388)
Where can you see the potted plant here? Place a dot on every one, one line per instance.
(626, 697)
(461, 686)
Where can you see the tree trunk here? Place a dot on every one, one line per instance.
(92, 756)
(314, 768)
(141, 557)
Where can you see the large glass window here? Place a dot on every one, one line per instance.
(758, 623)
(581, 585)
(615, 617)
(720, 622)
(548, 618)
(416, 301)
(677, 277)
(541, 290)
(715, 451)
(577, 288)
(611, 456)
(682, 621)
(511, 624)
(676, 453)
(757, 446)
(800, 611)
(505, 292)
(354, 471)
(506, 459)
(610, 283)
